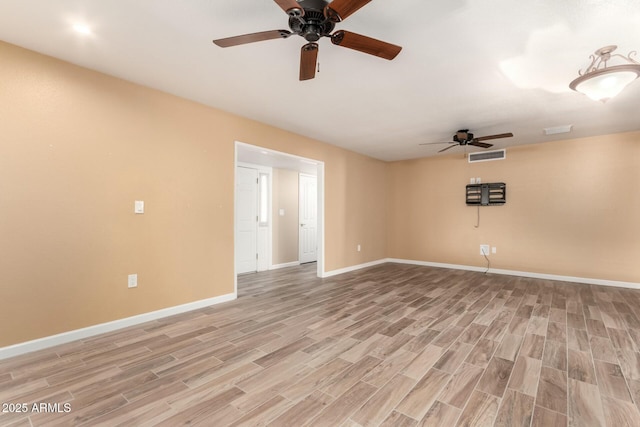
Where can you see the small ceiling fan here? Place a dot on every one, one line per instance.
(313, 19)
(464, 137)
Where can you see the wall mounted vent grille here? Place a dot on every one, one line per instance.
(485, 156)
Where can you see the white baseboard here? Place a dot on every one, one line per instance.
(572, 279)
(436, 264)
(285, 265)
(353, 268)
(65, 337)
(51, 341)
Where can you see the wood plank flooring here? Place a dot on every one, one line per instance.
(391, 345)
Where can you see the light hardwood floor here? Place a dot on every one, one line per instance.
(392, 345)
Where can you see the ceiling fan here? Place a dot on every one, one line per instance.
(464, 137)
(313, 19)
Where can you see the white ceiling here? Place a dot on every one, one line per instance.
(492, 66)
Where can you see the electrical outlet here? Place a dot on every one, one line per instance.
(484, 250)
(132, 280)
(478, 181)
(493, 250)
(359, 248)
(472, 180)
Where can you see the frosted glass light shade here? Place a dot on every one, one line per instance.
(604, 84)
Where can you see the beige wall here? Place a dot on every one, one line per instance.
(78, 147)
(573, 209)
(285, 228)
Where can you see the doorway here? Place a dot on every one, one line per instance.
(246, 154)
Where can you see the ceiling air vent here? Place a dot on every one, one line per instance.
(485, 156)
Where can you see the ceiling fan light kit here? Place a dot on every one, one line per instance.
(601, 82)
(312, 20)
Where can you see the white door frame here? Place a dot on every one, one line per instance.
(320, 176)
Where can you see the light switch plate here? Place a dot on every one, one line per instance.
(139, 207)
(132, 280)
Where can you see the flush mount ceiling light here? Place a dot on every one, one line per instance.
(601, 82)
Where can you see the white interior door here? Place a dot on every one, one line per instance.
(246, 219)
(308, 200)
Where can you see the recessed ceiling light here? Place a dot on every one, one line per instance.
(81, 28)
(558, 129)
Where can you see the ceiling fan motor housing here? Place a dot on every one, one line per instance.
(313, 25)
(463, 137)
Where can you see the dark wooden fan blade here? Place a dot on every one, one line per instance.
(445, 149)
(431, 143)
(253, 37)
(500, 135)
(339, 10)
(308, 59)
(365, 44)
(291, 7)
(480, 144)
